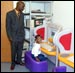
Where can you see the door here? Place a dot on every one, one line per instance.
(5, 44)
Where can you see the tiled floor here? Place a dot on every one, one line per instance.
(5, 67)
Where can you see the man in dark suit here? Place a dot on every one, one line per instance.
(15, 32)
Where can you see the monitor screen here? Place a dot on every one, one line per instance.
(38, 22)
(52, 33)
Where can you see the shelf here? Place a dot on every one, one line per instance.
(26, 13)
(34, 11)
(27, 40)
(41, 14)
(26, 28)
(42, 1)
(24, 49)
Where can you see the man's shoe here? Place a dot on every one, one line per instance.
(22, 64)
(12, 67)
(16, 62)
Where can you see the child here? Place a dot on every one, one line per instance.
(36, 52)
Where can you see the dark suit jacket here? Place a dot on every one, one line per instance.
(15, 26)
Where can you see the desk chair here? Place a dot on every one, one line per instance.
(59, 69)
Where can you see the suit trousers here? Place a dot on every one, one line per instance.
(16, 51)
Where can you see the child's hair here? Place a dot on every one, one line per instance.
(37, 36)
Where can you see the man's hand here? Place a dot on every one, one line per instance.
(10, 39)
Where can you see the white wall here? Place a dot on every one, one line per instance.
(14, 4)
(63, 13)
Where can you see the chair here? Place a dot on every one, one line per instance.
(33, 65)
(64, 40)
(59, 69)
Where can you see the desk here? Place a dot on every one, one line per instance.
(64, 60)
(53, 53)
(50, 51)
(46, 50)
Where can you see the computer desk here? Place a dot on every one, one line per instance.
(65, 60)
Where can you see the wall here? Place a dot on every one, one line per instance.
(5, 44)
(63, 13)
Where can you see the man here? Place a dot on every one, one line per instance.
(15, 32)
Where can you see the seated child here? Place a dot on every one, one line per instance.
(36, 52)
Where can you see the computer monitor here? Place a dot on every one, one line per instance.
(38, 22)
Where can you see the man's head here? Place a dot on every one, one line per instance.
(38, 39)
(20, 6)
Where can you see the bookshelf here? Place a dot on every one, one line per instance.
(36, 12)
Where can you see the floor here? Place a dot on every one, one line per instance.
(5, 67)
